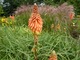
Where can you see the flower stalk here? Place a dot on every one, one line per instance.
(35, 46)
(35, 24)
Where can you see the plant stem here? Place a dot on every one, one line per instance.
(35, 46)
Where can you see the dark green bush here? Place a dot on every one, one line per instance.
(1, 10)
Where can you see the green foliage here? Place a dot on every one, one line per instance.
(48, 20)
(1, 10)
(16, 44)
(76, 4)
(54, 2)
(13, 4)
(22, 19)
(50, 2)
(75, 29)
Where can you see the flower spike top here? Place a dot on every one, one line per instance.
(35, 21)
(35, 8)
(53, 56)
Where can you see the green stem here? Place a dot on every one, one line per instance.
(35, 46)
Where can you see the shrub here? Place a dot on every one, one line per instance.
(1, 10)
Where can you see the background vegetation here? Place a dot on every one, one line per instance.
(9, 6)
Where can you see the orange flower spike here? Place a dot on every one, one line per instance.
(35, 22)
(53, 56)
(12, 17)
(71, 16)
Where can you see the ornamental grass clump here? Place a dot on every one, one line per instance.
(35, 24)
(64, 15)
(61, 16)
(23, 9)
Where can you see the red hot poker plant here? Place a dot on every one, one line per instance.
(35, 24)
